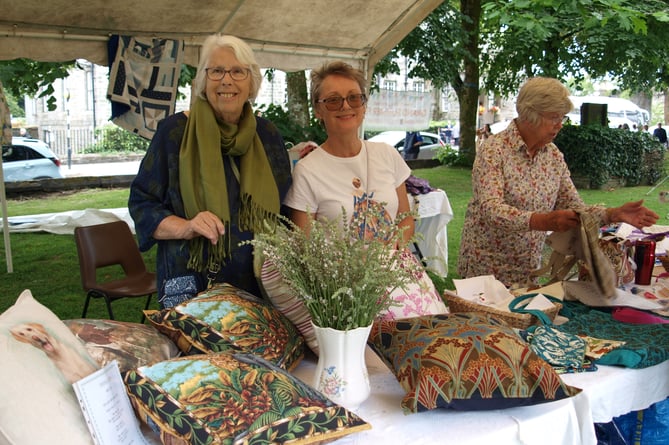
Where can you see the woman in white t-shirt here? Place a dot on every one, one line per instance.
(345, 170)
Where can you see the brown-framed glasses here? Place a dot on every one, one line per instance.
(335, 103)
(218, 72)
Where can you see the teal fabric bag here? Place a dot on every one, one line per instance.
(556, 347)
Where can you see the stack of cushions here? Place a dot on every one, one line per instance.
(418, 298)
(233, 383)
(219, 396)
(464, 361)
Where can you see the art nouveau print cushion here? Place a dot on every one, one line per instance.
(464, 361)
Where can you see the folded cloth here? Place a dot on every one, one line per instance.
(418, 186)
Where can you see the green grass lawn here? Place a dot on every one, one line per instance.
(47, 264)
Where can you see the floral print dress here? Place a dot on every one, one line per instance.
(509, 185)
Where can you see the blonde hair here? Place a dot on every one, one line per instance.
(242, 52)
(542, 95)
(334, 69)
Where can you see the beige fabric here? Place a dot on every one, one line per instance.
(580, 244)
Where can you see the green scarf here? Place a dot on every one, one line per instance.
(203, 184)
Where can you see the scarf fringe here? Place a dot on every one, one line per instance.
(217, 255)
(252, 216)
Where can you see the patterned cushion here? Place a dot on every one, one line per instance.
(225, 318)
(130, 344)
(40, 360)
(418, 298)
(225, 397)
(464, 361)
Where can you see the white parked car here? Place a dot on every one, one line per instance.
(27, 159)
(431, 142)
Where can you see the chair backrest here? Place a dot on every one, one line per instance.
(107, 244)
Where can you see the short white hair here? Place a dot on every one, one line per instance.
(243, 53)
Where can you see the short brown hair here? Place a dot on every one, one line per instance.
(337, 68)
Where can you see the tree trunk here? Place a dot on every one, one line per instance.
(297, 98)
(5, 119)
(437, 113)
(666, 106)
(468, 90)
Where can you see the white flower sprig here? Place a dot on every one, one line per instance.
(342, 272)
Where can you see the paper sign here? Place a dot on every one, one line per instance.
(107, 409)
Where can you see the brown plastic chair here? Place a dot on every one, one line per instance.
(111, 244)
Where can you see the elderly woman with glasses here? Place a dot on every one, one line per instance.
(209, 179)
(522, 189)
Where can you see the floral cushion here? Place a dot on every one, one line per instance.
(464, 361)
(234, 398)
(225, 318)
(130, 344)
(418, 298)
(40, 360)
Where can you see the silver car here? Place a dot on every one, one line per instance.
(27, 159)
(428, 148)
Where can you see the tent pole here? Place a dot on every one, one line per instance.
(5, 223)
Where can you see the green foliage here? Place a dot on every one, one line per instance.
(113, 139)
(27, 77)
(447, 155)
(435, 48)
(290, 130)
(16, 109)
(601, 154)
(567, 39)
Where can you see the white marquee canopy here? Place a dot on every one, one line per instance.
(289, 35)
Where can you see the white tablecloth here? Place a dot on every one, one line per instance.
(434, 214)
(607, 393)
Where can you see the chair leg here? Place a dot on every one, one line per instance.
(146, 307)
(109, 308)
(88, 299)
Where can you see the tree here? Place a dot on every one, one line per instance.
(297, 97)
(566, 39)
(519, 39)
(444, 49)
(26, 77)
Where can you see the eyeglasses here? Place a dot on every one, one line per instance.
(556, 119)
(218, 73)
(335, 103)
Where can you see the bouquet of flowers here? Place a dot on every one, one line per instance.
(342, 273)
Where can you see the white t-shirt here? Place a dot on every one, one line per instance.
(323, 183)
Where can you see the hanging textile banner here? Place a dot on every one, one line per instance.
(143, 81)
